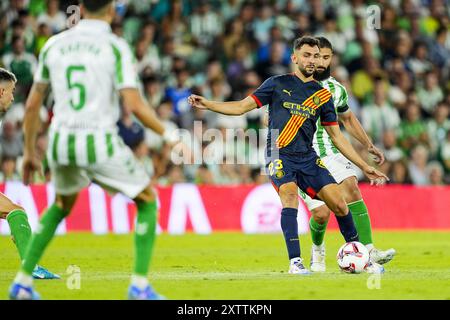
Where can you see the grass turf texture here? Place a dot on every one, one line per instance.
(236, 266)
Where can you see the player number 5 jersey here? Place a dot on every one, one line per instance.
(85, 66)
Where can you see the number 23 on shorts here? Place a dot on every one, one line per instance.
(275, 165)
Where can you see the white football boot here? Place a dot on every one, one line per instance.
(296, 267)
(380, 256)
(318, 258)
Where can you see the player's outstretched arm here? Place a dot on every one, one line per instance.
(354, 127)
(231, 108)
(31, 126)
(375, 176)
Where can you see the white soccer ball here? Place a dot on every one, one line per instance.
(353, 257)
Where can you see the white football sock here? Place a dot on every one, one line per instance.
(369, 246)
(317, 247)
(139, 281)
(24, 279)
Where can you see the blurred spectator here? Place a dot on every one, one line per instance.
(435, 173)
(430, 94)
(174, 24)
(205, 24)
(234, 33)
(440, 52)
(227, 174)
(417, 168)
(240, 62)
(445, 154)
(174, 175)
(398, 173)
(165, 113)
(204, 176)
(438, 127)
(263, 23)
(412, 129)
(391, 151)
(53, 17)
(419, 63)
(42, 35)
(178, 95)
(276, 64)
(22, 64)
(9, 170)
(379, 116)
(153, 91)
(11, 142)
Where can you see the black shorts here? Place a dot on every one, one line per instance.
(306, 170)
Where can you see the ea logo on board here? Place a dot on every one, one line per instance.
(261, 212)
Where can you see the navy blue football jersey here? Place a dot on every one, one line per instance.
(294, 107)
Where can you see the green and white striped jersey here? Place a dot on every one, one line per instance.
(85, 66)
(322, 142)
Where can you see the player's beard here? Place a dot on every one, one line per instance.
(322, 75)
(305, 72)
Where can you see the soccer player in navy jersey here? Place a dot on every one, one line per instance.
(295, 103)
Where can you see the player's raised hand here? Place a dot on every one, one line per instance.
(31, 165)
(376, 177)
(197, 101)
(379, 155)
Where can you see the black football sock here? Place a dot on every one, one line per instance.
(289, 226)
(347, 227)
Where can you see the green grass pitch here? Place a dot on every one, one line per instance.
(236, 266)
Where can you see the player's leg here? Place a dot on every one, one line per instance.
(355, 202)
(123, 173)
(68, 181)
(144, 241)
(317, 225)
(283, 175)
(332, 196)
(21, 232)
(334, 199)
(18, 223)
(22, 286)
(289, 225)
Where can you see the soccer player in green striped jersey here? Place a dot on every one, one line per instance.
(13, 213)
(88, 69)
(341, 169)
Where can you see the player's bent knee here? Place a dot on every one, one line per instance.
(340, 207)
(351, 190)
(321, 214)
(289, 199)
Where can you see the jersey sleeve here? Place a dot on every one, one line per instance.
(126, 75)
(42, 73)
(328, 116)
(263, 95)
(342, 104)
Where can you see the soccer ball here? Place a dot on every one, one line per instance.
(353, 257)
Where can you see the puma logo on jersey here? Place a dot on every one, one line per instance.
(288, 92)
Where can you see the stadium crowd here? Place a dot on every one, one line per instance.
(396, 71)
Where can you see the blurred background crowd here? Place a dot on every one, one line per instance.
(396, 75)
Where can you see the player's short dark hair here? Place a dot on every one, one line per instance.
(300, 42)
(95, 5)
(6, 75)
(325, 43)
